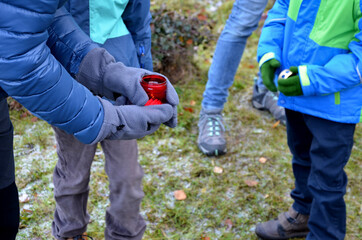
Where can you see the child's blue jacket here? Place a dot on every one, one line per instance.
(323, 38)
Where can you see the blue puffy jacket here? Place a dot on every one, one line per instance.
(324, 39)
(31, 75)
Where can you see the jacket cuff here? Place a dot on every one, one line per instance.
(305, 82)
(266, 57)
(110, 121)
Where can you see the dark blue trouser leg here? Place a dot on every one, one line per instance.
(299, 142)
(9, 212)
(330, 145)
(9, 203)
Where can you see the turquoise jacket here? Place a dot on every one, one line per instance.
(116, 21)
(323, 38)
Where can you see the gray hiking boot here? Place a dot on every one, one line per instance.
(211, 139)
(288, 225)
(263, 99)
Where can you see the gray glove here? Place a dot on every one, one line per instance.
(171, 97)
(101, 74)
(132, 121)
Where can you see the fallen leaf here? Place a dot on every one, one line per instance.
(276, 124)
(23, 115)
(26, 208)
(201, 17)
(229, 224)
(218, 169)
(192, 103)
(189, 41)
(263, 160)
(14, 105)
(251, 183)
(180, 195)
(205, 237)
(188, 109)
(34, 119)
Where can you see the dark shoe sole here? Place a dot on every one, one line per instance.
(297, 235)
(216, 152)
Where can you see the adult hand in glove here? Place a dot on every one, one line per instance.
(132, 121)
(267, 71)
(101, 74)
(291, 86)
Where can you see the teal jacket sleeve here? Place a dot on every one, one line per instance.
(67, 42)
(272, 35)
(342, 72)
(31, 75)
(137, 18)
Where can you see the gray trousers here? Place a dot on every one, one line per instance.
(71, 187)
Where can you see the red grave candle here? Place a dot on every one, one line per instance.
(155, 87)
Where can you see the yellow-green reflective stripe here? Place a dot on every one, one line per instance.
(303, 75)
(337, 98)
(293, 9)
(266, 57)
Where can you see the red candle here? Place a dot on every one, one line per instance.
(155, 87)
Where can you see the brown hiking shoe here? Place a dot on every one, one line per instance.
(288, 225)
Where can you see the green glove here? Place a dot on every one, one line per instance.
(267, 71)
(291, 86)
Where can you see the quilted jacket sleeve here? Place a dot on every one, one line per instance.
(67, 42)
(32, 76)
(272, 35)
(137, 18)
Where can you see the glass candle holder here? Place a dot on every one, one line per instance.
(155, 87)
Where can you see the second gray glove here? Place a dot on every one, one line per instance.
(131, 121)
